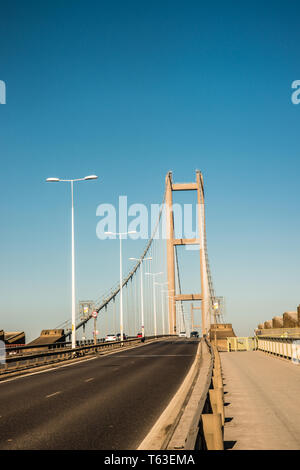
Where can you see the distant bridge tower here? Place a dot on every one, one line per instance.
(172, 242)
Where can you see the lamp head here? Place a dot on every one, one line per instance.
(91, 177)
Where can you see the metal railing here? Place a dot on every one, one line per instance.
(287, 348)
(201, 425)
(62, 352)
(195, 438)
(22, 349)
(241, 343)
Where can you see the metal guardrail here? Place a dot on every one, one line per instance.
(202, 421)
(27, 348)
(287, 348)
(195, 438)
(179, 420)
(21, 362)
(241, 343)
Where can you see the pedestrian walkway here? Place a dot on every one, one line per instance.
(262, 402)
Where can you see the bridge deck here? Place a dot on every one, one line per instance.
(262, 402)
(107, 402)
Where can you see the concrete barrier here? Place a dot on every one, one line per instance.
(217, 402)
(163, 430)
(49, 337)
(218, 334)
(277, 322)
(212, 429)
(213, 424)
(287, 320)
(290, 319)
(206, 431)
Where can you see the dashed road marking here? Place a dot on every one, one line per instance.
(46, 370)
(52, 394)
(157, 355)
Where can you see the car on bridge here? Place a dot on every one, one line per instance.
(110, 338)
(119, 337)
(194, 334)
(182, 334)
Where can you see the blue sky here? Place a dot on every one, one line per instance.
(128, 91)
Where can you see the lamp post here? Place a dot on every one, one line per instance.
(169, 297)
(142, 291)
(121, 277)
(58, 180)
(162, 305)
(154, 299)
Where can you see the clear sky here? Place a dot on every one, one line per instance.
(129, 90)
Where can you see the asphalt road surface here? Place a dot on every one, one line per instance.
(262, 402)
(108, 402)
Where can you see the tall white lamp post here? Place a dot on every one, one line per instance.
(169, 297)
(58, 180)
(154, 299)
(121, 278)
(142, 292)
(162, 305)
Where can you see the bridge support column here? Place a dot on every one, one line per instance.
(203, 267)
(170, 255)
(172, 242)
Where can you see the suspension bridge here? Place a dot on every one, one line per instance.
(156, 386)
(153, 301)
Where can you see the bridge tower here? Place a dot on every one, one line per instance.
(203, 296)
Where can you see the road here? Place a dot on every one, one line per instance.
(107, 402)
(262, 402)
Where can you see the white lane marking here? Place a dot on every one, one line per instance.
(89, 380)
(158, 355)
(173, 408)
(52, 394)
(141, 345)
(47, 370)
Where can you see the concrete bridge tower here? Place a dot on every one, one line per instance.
(204, 295)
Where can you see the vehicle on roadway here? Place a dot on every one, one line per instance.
(182, 334)
(194, 334)
(119, 337)
(110, 338)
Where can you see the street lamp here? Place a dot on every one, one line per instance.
(169, 297)
(162, 304)
(58, 180)
(154, 298)
(142, 291)
(121, 277)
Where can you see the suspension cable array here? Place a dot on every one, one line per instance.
(109, 298)
(148, 278)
